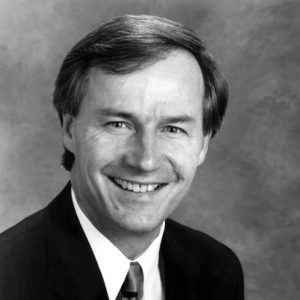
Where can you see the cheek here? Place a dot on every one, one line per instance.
(184, 157)
(99, 150)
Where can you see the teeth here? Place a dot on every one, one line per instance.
(144, 188)
(152, 187)
(124, 184)
(135, 187)
(129, 186)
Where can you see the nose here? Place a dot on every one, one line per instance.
(143, 152)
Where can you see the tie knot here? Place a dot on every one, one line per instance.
(132, 287)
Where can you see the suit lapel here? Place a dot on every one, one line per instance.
(73, 272)
(181, 271)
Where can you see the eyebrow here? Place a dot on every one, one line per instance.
(110, 112)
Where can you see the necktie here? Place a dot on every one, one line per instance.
(132, 288)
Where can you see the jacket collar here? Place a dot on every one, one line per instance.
(72, 268)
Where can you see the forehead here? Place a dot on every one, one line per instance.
(173, 83)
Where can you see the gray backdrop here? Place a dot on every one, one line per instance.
(247, 192)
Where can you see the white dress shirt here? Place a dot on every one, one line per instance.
(114, 265)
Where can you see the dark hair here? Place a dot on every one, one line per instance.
(127, 44)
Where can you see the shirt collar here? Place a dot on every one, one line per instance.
(112, 263)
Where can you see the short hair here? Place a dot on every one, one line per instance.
(129, 43)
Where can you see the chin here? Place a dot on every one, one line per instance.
(141, 226)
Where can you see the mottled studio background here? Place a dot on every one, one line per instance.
(246, 194)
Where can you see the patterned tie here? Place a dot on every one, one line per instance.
(132, 288)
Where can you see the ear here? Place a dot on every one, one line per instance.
(68, 132)
(204, 148)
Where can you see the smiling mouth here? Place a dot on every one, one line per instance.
(136, 187)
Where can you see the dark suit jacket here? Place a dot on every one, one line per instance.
(47, 256)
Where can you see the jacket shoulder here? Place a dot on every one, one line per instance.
(197, 242)
(22, 256)
(32, 226)
(220, 268)
(27, 226)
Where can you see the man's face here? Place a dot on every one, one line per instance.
(137, 142)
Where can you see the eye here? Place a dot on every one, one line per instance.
(173, 129)
(117, 124)
(117, 127)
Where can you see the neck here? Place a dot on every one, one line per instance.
(133, 246)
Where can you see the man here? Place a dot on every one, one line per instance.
(138, 100)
